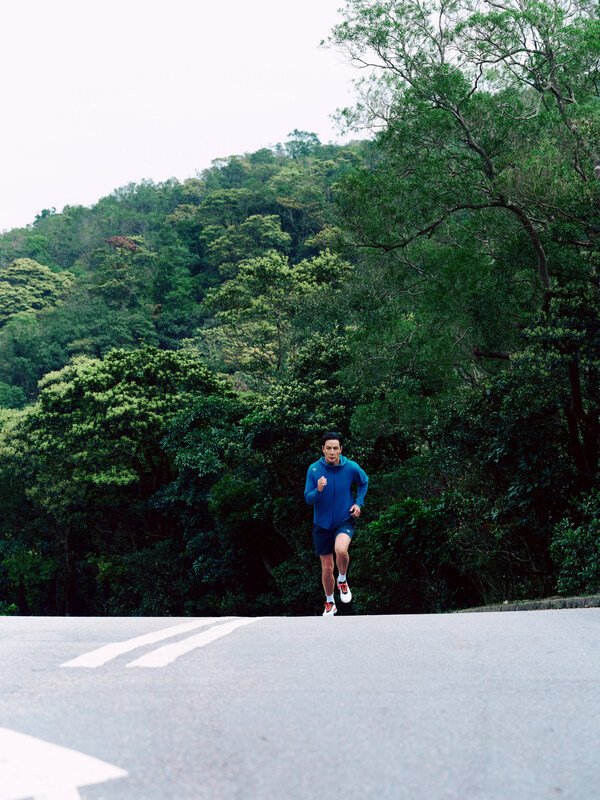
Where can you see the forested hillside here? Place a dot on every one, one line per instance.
(170, 356)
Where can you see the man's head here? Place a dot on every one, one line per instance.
(331, 444)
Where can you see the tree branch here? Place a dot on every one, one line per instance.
(479, 353)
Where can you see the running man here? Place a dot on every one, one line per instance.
(329, 483)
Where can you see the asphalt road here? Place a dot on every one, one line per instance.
(470, 706)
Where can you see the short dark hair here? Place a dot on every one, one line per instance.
(330, 435)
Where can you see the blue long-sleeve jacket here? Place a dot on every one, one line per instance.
(332, 505)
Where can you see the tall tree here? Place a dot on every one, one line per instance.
(489, 118)
(89, 457)
(26, 285)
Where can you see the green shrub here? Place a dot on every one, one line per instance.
(575, 548)
(399, 560)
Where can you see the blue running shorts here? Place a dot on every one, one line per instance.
(324, 538)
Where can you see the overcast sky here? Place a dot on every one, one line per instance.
(98, 93)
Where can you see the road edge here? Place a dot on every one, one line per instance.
(590, 601)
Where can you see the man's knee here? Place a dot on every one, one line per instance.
(342, 543)
(327, 565)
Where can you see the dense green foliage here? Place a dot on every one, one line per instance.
(170, 356)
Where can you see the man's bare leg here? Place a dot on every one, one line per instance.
(342, 559)
(327, 574)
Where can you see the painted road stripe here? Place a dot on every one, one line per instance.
(31, 767)
(165, 655)
(98, 657)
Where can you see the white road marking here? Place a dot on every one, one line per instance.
(61, 794)
(31, 767)
(100, 656)
(168, 653)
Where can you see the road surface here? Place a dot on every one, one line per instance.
(434, 707)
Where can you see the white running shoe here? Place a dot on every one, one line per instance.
(345, 593)
(330, 610)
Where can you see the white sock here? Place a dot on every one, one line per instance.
(341, 579)
(329, 598)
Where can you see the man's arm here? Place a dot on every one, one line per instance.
(362, 480)
(363, 484)
(311, 491)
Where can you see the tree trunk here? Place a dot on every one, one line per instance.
(584, 430)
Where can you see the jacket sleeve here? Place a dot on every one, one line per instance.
(311, 492)
(362, 479)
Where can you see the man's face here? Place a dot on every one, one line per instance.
(332, 451)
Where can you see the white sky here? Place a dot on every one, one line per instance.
(98, 93)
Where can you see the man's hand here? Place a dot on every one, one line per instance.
(355, 511)
(321, 483)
